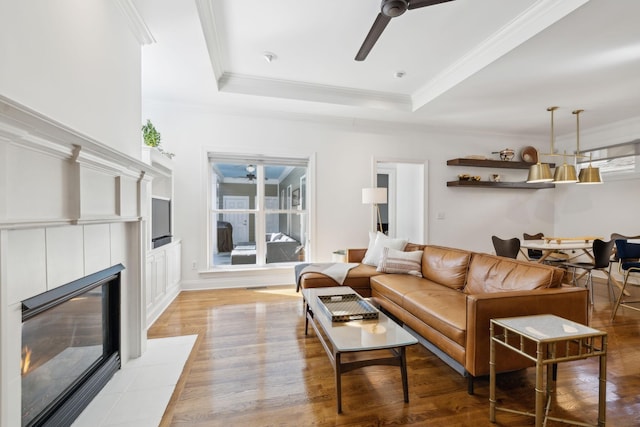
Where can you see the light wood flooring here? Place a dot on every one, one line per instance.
(252, 365)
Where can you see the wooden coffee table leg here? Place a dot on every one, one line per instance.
(403, 371)
(338, 370)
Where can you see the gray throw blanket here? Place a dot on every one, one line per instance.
(335, 270)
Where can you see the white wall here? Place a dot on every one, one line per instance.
(410, 212)
(77, 62)
(344, 160)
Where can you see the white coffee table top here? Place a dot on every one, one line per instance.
(356, 335)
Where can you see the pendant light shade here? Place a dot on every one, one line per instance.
(540, 172)
(588, 175)
(565, 174)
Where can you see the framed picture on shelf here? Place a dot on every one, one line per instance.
(295, 197)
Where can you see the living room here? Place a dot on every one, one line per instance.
(100, 96)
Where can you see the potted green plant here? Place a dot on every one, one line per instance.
(150, 135)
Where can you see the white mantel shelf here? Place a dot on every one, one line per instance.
(99, 184)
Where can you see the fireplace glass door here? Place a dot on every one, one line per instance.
(64, 345)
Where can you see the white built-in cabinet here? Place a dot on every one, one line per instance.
(163, 264)
(162, 278)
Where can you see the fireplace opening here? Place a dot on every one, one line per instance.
(70, 347)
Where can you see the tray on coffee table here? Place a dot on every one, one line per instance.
(347, 307)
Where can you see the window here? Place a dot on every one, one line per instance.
(619, 158)
(258, 212)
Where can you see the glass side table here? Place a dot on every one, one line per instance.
(547, 340)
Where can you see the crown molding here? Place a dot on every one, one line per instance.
(249, 85)
(136, 24)
(532, 21)
(211, 38)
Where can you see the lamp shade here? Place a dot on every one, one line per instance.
(590, 175)
(374, 195)
(565, 174)
(540, 172)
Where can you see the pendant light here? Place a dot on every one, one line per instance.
(565, 174)
(588, 175)
(541, 172)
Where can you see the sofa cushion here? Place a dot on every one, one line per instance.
(377, 242)
(395, 287)
(490, 273)
(446, 266)
(442, 308)
(400, 262)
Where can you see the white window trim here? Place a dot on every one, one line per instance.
(211, 156)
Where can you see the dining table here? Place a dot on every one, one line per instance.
(561, 245)
(556, 245)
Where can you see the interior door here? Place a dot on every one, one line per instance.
(239, 221)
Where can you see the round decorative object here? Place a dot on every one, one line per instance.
(507, 154)
(529, 155)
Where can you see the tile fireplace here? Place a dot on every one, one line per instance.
(70, 347)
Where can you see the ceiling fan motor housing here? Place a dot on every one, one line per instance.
(393, 8)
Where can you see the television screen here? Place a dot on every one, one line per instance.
(160, 218)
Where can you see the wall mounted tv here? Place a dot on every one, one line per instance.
(160, 222)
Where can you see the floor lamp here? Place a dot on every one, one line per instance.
(375, 196)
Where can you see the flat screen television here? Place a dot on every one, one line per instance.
(160, 222)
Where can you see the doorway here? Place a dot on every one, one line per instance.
(405, 211)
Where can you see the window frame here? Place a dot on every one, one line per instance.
(259, 210)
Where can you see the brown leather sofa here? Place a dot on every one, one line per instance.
(450, 307)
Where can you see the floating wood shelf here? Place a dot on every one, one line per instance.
(483, 163)
(500, 164)
(523, 185)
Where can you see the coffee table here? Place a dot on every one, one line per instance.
(360, 337)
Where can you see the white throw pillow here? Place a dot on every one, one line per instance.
(374, 252)
(275, 237)
(400, 262)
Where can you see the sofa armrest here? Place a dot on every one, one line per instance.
(356, 255)
(568, 302)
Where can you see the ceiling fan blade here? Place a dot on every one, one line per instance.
(414, 4)
(374, 34)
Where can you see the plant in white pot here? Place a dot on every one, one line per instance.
(152, 138)
(150, 135)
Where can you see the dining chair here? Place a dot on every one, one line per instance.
(533, 254)
(601, 256)
(614, 254)
(507, 248)
(629, 255)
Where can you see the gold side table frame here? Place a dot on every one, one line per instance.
(547, 340)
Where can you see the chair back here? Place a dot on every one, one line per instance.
(533, 253)
(627, 251)
(507, 248)
(618, 236)
(602, 253)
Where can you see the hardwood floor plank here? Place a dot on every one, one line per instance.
(252, 365)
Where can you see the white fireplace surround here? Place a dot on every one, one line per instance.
(69, 206)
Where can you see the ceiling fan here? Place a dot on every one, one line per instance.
(389, 9)
(250, 172)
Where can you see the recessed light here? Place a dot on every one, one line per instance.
(269, 56)
(399, 74)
